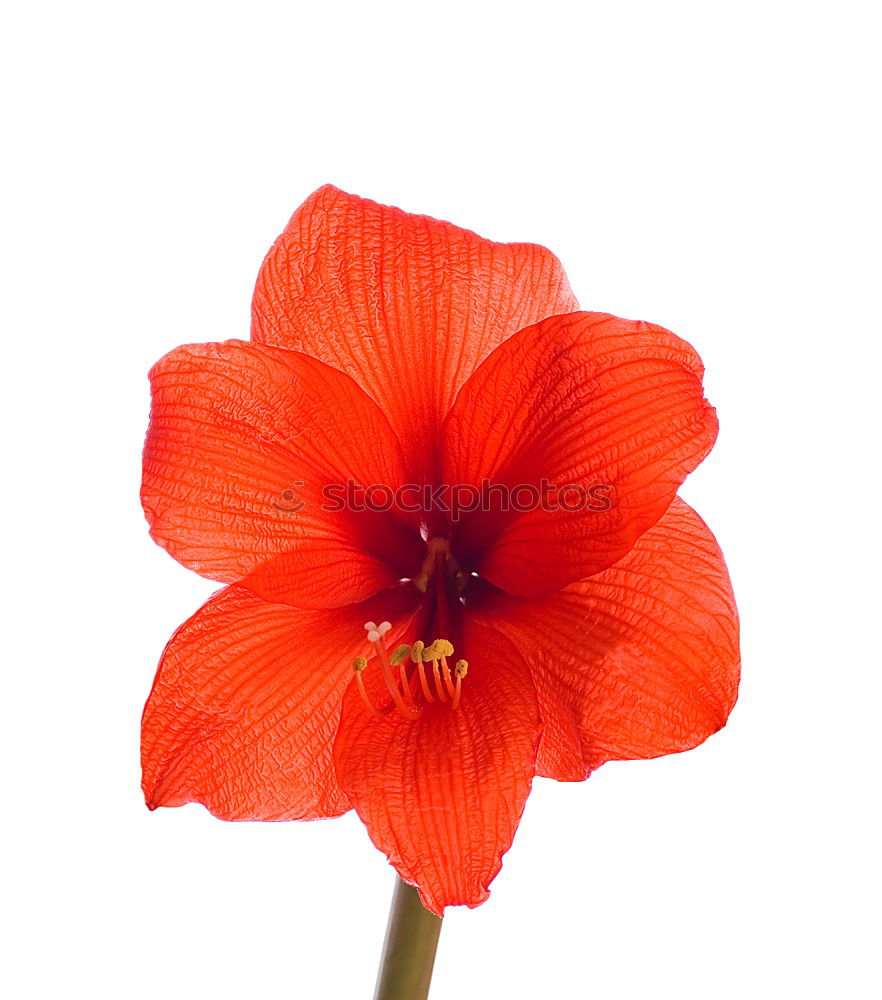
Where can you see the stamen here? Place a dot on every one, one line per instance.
(405, 685)
(398, 659)
(417, 657)
(445, 649)
(448, 680)
(358, 665)
(461, 669)
(431, 655)
(439, 684)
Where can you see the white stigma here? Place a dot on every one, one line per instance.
(376, 632)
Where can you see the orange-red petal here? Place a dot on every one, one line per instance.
(243, 439)
(406, 304)
(442, 795)
(246, 702)
(638, 661)
(609, 413)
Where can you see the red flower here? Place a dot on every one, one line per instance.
(400, 351)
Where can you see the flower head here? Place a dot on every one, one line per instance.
(527, 595)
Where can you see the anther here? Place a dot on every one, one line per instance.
(443, 647)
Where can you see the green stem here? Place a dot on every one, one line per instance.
(409, 950)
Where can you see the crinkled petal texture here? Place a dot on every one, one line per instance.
(442, 795)
(242, 442)
(246, 703)
(406, 304)
(609, 414)
(638, 661)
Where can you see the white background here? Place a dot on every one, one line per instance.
(713, 168)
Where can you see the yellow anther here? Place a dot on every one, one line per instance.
(400, 655)
(417, 652)
(461, 668)
(439, 648)
(358, 664)
(443, 647)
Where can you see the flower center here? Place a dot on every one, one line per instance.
(411, 671)
(439, 559)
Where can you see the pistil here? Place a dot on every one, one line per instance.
(376, 634)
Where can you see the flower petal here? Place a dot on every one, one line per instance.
(442, 795)
(638, 661)
(243, 440)
(405, 304)
(246, 702)
(609, 413)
